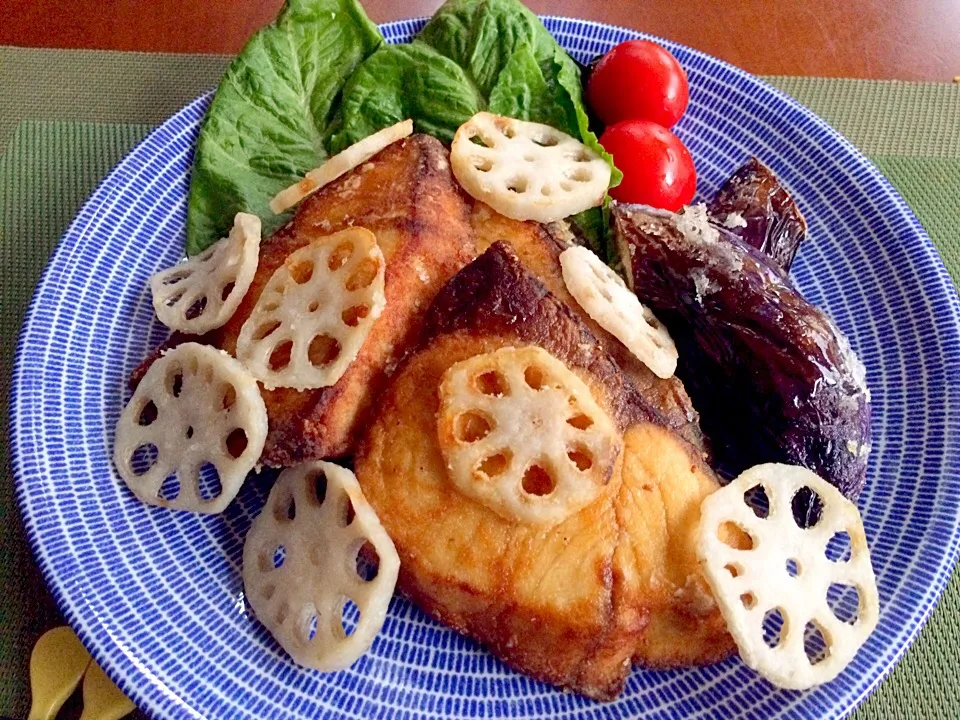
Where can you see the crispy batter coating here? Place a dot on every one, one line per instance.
(574, 604)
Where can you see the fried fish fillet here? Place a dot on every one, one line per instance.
(538, 247)
(407, 197)
(573, 604)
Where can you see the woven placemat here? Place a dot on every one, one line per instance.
(67, 117)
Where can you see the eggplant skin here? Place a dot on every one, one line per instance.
(774, 223)
(772, 376)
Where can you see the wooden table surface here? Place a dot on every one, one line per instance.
(880, 39)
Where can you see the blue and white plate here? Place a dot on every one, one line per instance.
(157, 595)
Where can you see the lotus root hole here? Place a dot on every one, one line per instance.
(189, 432)
(302, 272)
(280, 357)
(196, 308)
(844, 602)
(792, 567)
(169, 488)
(323, 350)
(838, 547)
(537, 481)
(534, 377)
(731, 534)
(174, 298)
(517, 185)
(495, 465)
(814, 643)
(367, 562)
(144, 458)
(270, 306)
(349, 617)
(491, 383)
(353, 315)
(483, 164)
(340, 255)
(208, 482)
(283, 612)
(227, 289)
(508, 131)
(774, 627)
(148, 414)
(177, 277)
(546, 190)
(320, 488)
(546, 140)
(732, 569)
(345, 511)
(175, 383)
(268, 591)
(471, 427)
(229, 397)
(313, 306)
(566, 186)
(749, 600)
(529, 158)
(236, 442)
(580, 421)
(580, 174)
(279, 557)
(756, 499)
(807, 508)
(265, 330)
(581, 457)
(363, 275)
(481, 141)
(285, 510)
(308, 625)
(580, 156)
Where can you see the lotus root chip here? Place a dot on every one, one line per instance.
(605, 297)
(315, 312)
(203, 292)
(521, 433)
(765, 569)
(318, 568)
(525, 170)
(340, 164)
(196, 419)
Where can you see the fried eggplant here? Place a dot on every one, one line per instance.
(771, 221)
(773, 377)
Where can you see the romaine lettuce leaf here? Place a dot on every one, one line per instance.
(274, 112)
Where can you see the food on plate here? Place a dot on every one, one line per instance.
(539, 247)
(201, 293)
(558, 602)
(785, 569)
(755, 206)
(657, 167)
(318, 568)
(638, 79)
(192, 431)
(408, 198)
(772, 376)
(569, 448)
(525, 170)
(343, 162)
(605, 297)
(315, 312)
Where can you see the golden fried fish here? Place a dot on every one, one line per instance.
(575, 603)
(407, 197)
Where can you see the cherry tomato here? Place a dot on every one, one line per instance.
(657, 167)
(638, 79)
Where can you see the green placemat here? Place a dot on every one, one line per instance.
(67, 117)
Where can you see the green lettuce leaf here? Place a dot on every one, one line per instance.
(274, 113)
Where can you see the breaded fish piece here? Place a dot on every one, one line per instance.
(407, 197)
(539, 247)
(573, 604)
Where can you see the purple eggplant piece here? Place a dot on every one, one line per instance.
(772, 376)
(755, 206)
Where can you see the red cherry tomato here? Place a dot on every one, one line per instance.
(657, 167)
(638, 79)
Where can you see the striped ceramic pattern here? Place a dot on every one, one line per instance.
(157, 595)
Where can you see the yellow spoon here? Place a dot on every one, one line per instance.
(102, 700)
(57, 663)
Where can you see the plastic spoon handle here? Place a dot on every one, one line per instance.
(57, 663)
(102, 700)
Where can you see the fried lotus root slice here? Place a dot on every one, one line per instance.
(196, 407)
(315, 558)
(525, 170)
(764, 568)
(340, 164)
(605, 297)
(202, 293)
(316, 310)
(521, 433)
